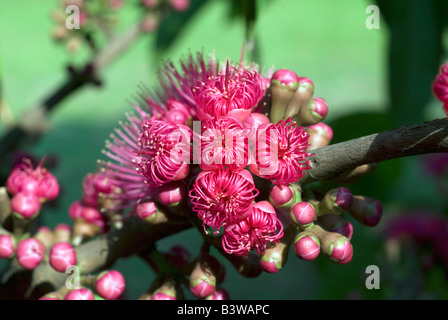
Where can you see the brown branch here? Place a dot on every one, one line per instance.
(410, 140)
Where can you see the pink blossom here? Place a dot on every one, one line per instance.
(39, 181)
(80, 294)
(164, 153)
(280, 153)
(26, 205)
(110, 284)
(254, 231)
(30, 253)
(222, 197)
(7, 247)
(62, 255)
(223, 144)
(234, 92)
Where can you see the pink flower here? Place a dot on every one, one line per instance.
(222, 197)
(234, 93)
(440, 87)
(253, 232)
(223, 144)
(164, 153)
(280, 153)
(39, 181)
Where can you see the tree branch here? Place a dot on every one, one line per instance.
(329, 162)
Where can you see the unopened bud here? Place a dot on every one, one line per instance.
(80, 294)
(25, 205)
(337, 224)
(203, 278)
(148, 211)
(7, 247)
(302, 214)
(320, 135)
(306, 245)
(30, 253)
(284, 196)
(110, 284)
(312, 112)
(219, 294)
(62, 255)
(335, 201)
(172, 193)
(302, 95)
(335, 246)
(284, 84)
(366, 210)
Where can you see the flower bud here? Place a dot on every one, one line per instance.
(62, 233)
(276, 254)
(320, 135)
(110, 284)
(335, 201)
(306, 245)
(337, 224)
(335, 246)
(172, 193)
(166, 290)
(25, 205)
(148, 212)
(366, 210)
(302, 214)
(80, 294)
(75, 210)
(30, 253)
(284, 196)
(203, 278)
(7, 247)
(50, 296)
(301, 96)
(62, 256)
(284, 84)
(312, 112)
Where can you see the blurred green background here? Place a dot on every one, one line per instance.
(353, 68)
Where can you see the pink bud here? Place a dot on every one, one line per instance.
(146, 209)
(91, 215)
(27, 205)
(75, 210)
(340, 250)
(80, 294)
(286, 76)
(110, 284)
(30, 253)
(320, 107)
(306, 246)
(62, 256)
(302, 214)
(6, 246)
(172, 193)
(203, 289)
(344, 198)
(282, 196)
